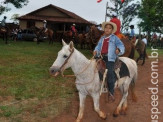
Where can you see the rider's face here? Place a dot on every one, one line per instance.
(108, 29)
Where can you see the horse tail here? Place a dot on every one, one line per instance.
(145, 53)
(132, 53)
(132, 86)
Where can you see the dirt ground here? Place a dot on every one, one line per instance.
(139, 111)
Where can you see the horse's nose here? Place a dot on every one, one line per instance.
(53, 70)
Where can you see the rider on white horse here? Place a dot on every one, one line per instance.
(109, 46)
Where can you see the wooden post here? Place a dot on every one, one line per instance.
(64, 28)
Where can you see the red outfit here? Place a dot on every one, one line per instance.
(73, 29)
(118, 23)
(105, 46)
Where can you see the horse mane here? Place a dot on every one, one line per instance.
(81, 55)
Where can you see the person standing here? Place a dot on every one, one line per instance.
(3, 22)
(109, 46)
(144, 40)
(117, 22)
(132, 34)
(99, 27)
(44, 25)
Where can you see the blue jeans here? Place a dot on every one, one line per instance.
(111, 76)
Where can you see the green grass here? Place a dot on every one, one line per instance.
(24, 76)
(25, 81)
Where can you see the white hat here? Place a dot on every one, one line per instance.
(45, 21)
(73, 24)
(114, 14)
(110, 23)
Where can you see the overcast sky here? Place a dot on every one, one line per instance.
(87, 9)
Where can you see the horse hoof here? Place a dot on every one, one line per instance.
(115, 115)
(123, 112)
(116, 112)
(77, 120)
(103, 115)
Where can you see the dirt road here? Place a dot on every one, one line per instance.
(137, 112)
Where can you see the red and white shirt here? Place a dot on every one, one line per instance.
(105, 45)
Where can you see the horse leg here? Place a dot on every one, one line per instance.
(81, 109)
(144, 55)
(124, 105)
(143, 61)
(137, 60)
(125, 87)
(5, 36)
(96, 99)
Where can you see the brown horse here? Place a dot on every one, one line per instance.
(48, 33)
(43, 32)
(4, 33)
(94, 35)
(69, 36)
(129, 47)
(154, 42)
(81, 40)
(141, 49)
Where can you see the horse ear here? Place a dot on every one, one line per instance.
(71, 45)
(63, 42)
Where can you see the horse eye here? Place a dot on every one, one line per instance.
(65, 56)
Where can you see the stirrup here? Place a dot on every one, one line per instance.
(105, 89)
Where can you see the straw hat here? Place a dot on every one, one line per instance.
(110, 23)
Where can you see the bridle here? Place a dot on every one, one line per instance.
(63, 65)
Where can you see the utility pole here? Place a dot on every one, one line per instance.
(106, 11)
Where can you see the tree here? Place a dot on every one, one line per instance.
(126, 11)
(16, 3)
(151, 13)
(14, 17)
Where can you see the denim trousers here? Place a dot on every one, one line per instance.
(111, 76)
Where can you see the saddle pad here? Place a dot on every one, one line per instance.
(124, 70)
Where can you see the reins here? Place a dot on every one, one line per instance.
(77, 73)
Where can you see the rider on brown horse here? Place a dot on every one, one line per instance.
(73, 30)
(44, 27)
(3, 23)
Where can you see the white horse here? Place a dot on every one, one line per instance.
(87, 78)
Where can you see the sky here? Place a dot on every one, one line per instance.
(87, 9)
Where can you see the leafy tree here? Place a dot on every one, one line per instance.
(14, 17)
(151, 13)
(16, 3)
(126, 11)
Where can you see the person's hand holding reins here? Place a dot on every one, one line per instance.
(94, 53)
(117, 51)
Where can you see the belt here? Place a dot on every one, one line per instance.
(104, 55)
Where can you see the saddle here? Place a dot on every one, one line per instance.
(120, 68)
(3, 29)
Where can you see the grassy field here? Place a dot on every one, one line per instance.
(26, 89)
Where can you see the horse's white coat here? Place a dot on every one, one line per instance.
(78, 62)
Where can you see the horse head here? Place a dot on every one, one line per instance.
(62, 61)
